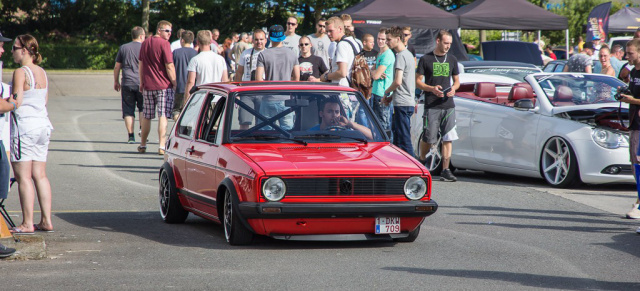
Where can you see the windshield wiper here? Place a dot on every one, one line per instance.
(269, 137)
(328, 135)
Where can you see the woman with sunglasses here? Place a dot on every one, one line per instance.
(30, 134)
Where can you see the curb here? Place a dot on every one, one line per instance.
(28, 247)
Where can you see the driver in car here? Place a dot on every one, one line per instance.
(333, 120)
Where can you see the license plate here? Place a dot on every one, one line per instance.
(387, 225)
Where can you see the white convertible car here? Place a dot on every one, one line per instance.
(564, 127)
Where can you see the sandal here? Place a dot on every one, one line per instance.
(142, 149)
(16, 231)
(37, 227)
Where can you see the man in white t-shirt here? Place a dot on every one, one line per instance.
(176, 44)
(344, 55)
(246, 72)
(320, 42)
(292, 39)
(206, 67)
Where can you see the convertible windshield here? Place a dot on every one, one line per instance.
(579, 89)
(511, 72)
(302, 117)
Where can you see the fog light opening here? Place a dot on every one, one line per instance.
(424, 208)
(612, 170)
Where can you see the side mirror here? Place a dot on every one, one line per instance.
(524, 105)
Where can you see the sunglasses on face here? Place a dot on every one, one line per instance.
(407, 34)
(166, 30)
(322, 26)
(304, 44)
(15, 48)
(291, 23)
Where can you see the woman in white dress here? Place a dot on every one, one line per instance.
(30, 134)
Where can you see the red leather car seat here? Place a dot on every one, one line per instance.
(563, 96)
(485, 90)
(518, 92)
(527, 86)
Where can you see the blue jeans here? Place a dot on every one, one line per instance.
(5, 172)
(272, 108)
(361, 117)
(383, 112)
(402, 128)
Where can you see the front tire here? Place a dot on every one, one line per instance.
(170, 208)
(234, 231)
(558, 164)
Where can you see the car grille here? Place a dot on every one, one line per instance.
(344, 186)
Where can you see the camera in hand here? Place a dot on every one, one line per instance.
(622, 90)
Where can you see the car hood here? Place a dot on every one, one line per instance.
(599, 116)
(330, 159)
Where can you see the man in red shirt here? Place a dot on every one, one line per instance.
(157, 83)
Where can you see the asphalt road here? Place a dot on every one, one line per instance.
(490, 232)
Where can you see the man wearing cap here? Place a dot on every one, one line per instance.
(4, 165)
(581, 63)
(278, 63)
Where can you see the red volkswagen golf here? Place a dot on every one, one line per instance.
(293, 161)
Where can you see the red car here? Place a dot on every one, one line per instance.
(293, 161)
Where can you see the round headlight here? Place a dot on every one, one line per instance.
(274, 189)
(415, 188)
(608, 139)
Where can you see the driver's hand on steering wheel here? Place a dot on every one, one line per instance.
(341, 121)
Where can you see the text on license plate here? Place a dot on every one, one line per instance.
(387, 225)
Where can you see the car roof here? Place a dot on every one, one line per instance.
(469, 64)
(274, 85)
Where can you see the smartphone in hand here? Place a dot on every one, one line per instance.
(446, 91)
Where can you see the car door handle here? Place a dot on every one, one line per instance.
(476, 121)
(190, 150)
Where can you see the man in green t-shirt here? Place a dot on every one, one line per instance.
(382, 76)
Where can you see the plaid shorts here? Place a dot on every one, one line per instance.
(164, 100)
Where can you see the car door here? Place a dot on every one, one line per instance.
(185, 130)
(203, 173)
(504, 136)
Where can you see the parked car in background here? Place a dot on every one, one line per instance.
(285, 173)
(555, 66)
(566, 128)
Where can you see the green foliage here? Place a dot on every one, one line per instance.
(577, 12)
(79, 55)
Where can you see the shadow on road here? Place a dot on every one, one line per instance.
(528, 280)
(195, 232)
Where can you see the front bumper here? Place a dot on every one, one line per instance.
(253, 210)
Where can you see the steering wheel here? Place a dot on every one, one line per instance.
(335, 127)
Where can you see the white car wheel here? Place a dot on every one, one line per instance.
(558, 163)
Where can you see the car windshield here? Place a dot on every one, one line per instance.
(579, 89)
(302, 117)
(511, 72)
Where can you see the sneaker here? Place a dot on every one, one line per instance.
(638, 230)
(161, 151)
(5, 251)
(131, 139)
(634, 213)
(142, 149)
(446, 175)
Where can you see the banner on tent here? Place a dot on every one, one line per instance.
(598, 22)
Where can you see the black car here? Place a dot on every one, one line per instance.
(555, 66)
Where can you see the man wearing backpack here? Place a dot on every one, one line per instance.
(342, 65)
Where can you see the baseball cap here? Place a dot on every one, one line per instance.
(4, 39)
(276, 33)
(588, 45)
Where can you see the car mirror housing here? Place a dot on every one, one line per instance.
(524, 104)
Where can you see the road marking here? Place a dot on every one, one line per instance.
(108, 171)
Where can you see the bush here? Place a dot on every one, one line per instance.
(83, 55)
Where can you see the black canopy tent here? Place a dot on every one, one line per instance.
(625, 20)
(424, 19)
(510, 15)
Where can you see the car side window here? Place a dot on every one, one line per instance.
(211, 121)
(189, 120)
